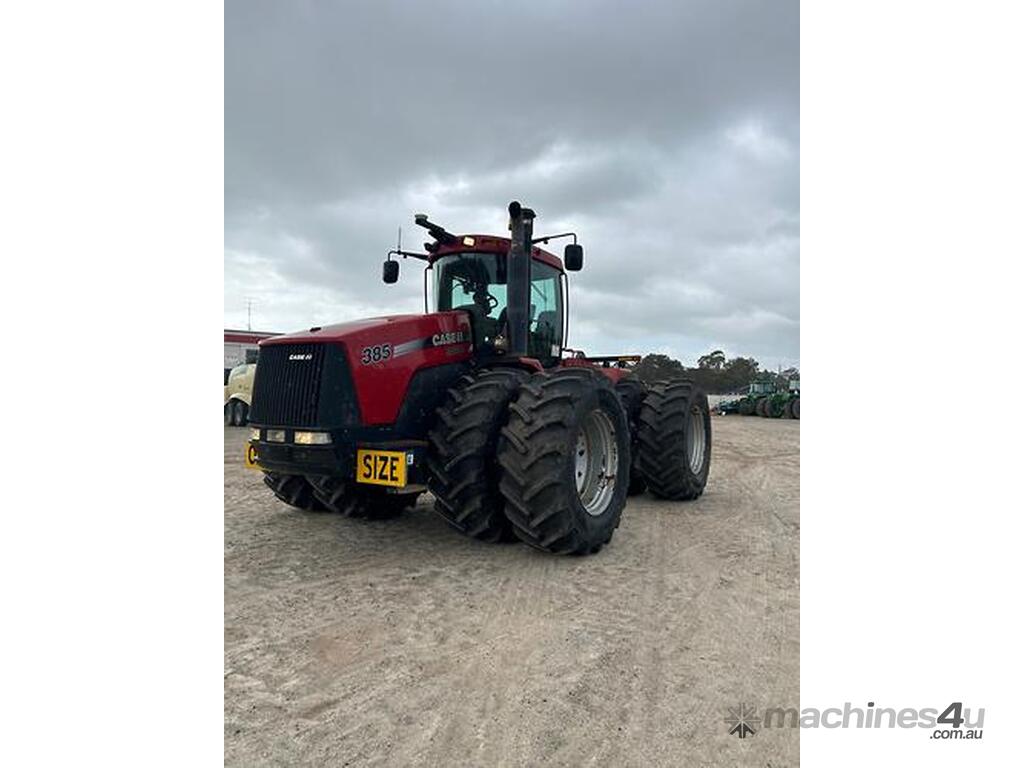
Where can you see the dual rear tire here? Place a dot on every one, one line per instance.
(569, 448)
(632, 392)
(543, 458)
(675, 440)
(463, 472)
(565, 461)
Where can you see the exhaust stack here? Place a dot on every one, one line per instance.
(521, 226)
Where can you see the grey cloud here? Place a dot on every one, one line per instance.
(666, 133)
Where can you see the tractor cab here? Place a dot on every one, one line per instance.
(477, 283)
(513, 291)
(761, 388)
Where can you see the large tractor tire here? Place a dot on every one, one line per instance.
(775, 408)
(565, 461)
(632, 392)
(787, 410)
(463, 472)
(794, 408)
(293, 490)
(760, 408)
(350, 500)
(746, 407)
(675, 440)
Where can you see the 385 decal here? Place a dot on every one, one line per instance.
(378, 353)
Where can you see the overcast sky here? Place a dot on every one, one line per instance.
(666, 133)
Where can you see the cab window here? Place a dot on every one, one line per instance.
(546, 312)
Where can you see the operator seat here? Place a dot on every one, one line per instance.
(503, 316)
(484, 326)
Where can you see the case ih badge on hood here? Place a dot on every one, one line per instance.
(452, 337)
(380, 353)
(479, 400)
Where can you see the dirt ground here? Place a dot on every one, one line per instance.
(400, 642)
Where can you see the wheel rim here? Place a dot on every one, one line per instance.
(597, 463)
(696, 440)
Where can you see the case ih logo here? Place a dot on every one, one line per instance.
(452, 337)
(307, 356)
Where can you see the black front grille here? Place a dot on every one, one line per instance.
(303, 385)
(287, 387)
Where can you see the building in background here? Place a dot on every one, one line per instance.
(241, 347)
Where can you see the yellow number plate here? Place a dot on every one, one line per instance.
(250, 457)
(381, 468)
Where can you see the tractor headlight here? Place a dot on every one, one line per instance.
(274, 436)
(254, 433)
(312, 438)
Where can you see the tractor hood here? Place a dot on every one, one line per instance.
(344, 331)
(399, 331)
(385, 353)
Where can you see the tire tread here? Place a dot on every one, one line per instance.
(662, 440)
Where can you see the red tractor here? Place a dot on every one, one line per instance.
(476, 402)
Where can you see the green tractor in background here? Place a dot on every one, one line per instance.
(765, 398)
(782, 404)
(747, 405)
(757, 398)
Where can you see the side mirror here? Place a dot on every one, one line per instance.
(390, 271)
(573, 257)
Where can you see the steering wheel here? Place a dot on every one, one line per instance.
(482, 295)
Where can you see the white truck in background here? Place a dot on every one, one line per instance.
(238, 395)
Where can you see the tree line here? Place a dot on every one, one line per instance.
(714, 373)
